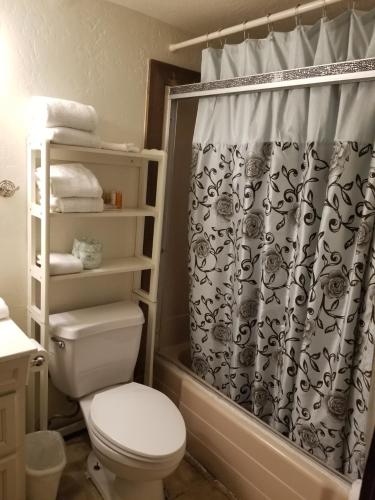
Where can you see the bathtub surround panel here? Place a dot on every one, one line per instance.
(90, 51)
(250, 460)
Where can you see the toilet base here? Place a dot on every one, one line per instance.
(115, 488)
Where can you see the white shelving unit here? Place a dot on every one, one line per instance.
(40, 222)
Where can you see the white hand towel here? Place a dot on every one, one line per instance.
(53, 112)
(125, 147)
(64, 135)
(4, 310)
(62, 263)
(355, 490)
(70, 205)
(68, 180)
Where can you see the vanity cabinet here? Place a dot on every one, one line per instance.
(16, 350)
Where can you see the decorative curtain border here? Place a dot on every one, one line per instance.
(361, 68)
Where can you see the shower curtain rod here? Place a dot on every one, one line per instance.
(262, 21)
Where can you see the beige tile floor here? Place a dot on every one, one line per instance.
(188, 482)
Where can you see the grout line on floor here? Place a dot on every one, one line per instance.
(208, 476)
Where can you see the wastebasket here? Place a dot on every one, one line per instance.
(45, 461)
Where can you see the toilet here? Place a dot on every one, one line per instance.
(137, 434)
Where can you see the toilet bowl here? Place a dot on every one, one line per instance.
(138, 436)
(137, 433)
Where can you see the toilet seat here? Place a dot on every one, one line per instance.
(138, 421)
(120, 451)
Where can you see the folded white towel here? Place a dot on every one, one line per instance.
(53, 112)
(65, 135)
(4, 310)
(72, 179)
(62, 263)
(355, 490)
(126, 147)
(69, 205)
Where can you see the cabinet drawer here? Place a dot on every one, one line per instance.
(7, 424)
(8, 478)
(13, 374)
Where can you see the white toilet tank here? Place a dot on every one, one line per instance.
(95, 347)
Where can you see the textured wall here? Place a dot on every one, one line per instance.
(87, 50)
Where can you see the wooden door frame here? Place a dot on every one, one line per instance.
(161, 75)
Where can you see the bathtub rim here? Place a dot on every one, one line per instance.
(166, 355)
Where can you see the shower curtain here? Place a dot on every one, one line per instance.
(281, 240)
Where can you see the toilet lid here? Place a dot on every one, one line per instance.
(139, 420)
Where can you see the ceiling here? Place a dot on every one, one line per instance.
(198, 17)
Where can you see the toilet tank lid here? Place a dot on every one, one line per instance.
(80, 323)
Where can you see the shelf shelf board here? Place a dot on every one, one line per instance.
(112, 266)
(36, 211)
(64, 152)
(143, 295)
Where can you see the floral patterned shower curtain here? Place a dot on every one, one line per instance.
(282, 249)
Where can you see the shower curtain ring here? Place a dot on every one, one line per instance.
(324, 10)
(244, 30)
(207, 40)
(222, 41)
(269, 23)
(297, 18)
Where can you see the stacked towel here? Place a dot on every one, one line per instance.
(49, 112)
(72, 179)
(73, 188)
(127, 147)
(4, 310)
(69, 205)
(62, 263)
(63, 121)
(69, 122)
(70, 136)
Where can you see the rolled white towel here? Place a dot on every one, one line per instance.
(72, 179)
(126, 147)
(65, 135)
(62, 263)
(54, 112)
(70, 205)
(355, 490)
(4, 310)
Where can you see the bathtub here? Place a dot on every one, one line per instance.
(253, 461)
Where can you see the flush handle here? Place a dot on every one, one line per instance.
(60, 343)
